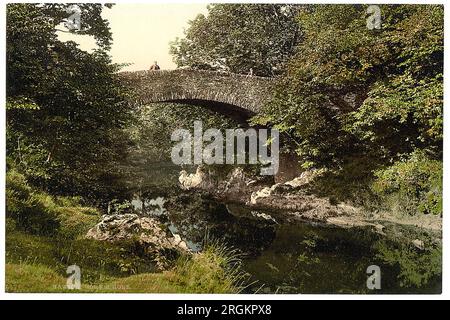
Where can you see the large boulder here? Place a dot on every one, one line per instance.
(155, 240)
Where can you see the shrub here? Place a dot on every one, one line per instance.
(411, 185)
(33, 212)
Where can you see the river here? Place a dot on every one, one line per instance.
(287, 256)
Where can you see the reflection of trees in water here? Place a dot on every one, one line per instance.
(312, 259)
(419, 266)
(195, 217)
(309, 258)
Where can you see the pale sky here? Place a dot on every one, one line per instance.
(142, 32)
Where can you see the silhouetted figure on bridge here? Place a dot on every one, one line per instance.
(154, 66)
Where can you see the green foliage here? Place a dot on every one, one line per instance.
(354, 91)
(149, 165)
(411, 185)
(33, 278)
(38, 264)
(66, 109)
(351, 183)
(355, 100)
(50, 230)
(417, 267)
(98, 259)
(240, 37)
(215, 270)
(39, 213)
(45, 234)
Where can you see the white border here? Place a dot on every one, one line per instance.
(157, 296)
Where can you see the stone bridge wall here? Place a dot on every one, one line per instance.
(249, 93)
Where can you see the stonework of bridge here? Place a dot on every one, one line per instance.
(237, 96)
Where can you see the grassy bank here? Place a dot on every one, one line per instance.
(45, 235)
(203, 273)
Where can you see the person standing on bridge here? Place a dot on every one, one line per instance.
(154, 66)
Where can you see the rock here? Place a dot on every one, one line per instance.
(148, 233)
(305, 178)
(283, 188)
(237, 182)
(179, 242)
(263, 193)
(379, 228)
(190, 181)
(251, 183)
(263, 215)
(296, 182)
(418, 244)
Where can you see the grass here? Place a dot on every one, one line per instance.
(32, 278)
(202, 273)
(37, 212)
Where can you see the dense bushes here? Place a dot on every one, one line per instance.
(411, 185)
(66, 108)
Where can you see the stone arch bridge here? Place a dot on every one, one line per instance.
(237, 96)
(234, 95)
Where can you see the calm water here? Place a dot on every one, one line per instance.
(299, 257)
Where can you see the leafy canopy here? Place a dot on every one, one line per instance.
(350, 90)
(66, 109)
(240, 37)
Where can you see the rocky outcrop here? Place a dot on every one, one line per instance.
(154, 239)
(236, 186)
(289, 198)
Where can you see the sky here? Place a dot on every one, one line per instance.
(142, 32)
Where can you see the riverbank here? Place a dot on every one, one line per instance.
(293, 200)
(137, 252)
(114, 253)
(203, 273)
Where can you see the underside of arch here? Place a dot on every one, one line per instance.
(236, 113)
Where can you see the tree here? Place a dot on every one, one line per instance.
(66, 109)
(240, 37)
(351, 91)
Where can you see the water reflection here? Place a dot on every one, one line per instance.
(296, 257)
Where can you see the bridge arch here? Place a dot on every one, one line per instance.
(237, 96)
